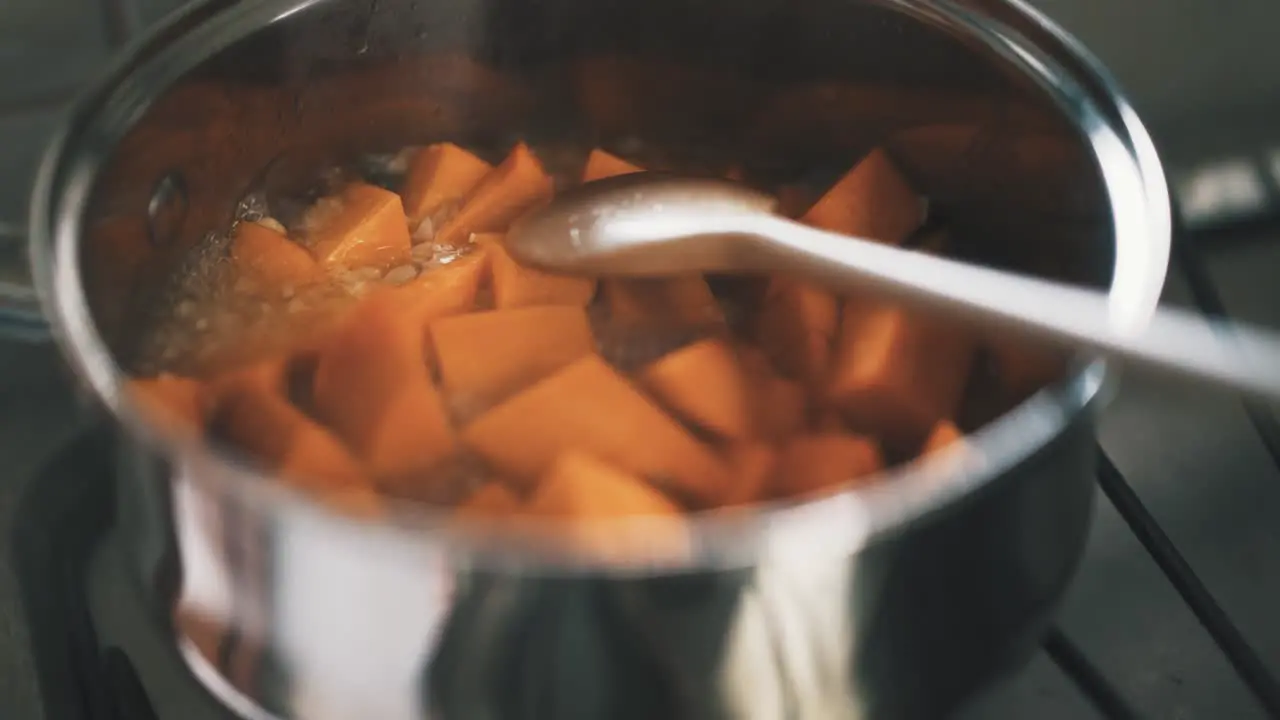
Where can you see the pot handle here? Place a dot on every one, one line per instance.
(20, 316)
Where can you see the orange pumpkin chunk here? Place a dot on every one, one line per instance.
(871, 201)
(686, 301)
(583, 493)
(371, 386)
(898, 372)
(513, 187)
(578, 484)
(172, 402)
(439, 175)
(601, 164)
(364, 225)
(753, 465)
(944, 434)
(493, 499)
(445, 290)
(484, 357)
(780, 406)
(270, 258)
(287, 442)
(810, 463)
(588, 406)
(515, 285)
(705, 384)
(796, 327)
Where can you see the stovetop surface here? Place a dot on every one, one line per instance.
(1197, 70)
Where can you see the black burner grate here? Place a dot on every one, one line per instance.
(1242, 657)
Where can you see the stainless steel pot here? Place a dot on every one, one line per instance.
(894, 601)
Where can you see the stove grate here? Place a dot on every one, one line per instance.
(1239, 653)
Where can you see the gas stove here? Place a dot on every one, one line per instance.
(1171, 615)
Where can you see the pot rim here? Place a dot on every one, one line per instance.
(842, 523)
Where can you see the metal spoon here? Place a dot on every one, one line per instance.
(648, 224)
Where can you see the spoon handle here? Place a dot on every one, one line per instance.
(1226, 353)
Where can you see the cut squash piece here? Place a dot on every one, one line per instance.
(583, 493)
(493, 499)
(578, 484)
(601, 164)
(270, 259)
(780, 406)
(440, 176)
(677, 301)
(371, 386)
(517, 286)
(944, 434)
(871, 201)
(513, 187)
(796, 327)
(486, 356)
(286, 442)
(898, 372)
(588, 406)
(753, 465)
(171, 402)
(810, 463)
(446, 290)
(363, 226)
(704, 384)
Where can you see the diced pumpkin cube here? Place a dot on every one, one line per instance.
(515, 285)
(445, 290)
(601, 164)
(513, 187)
(171, 402)
(287, 442)
(439, 175)
(486, 356)
(781, 408)
(270, 259)
(584, 493)
(872, 201)
(683, 301)
(810, 463)
(364, 225)
(704, 384)
(796, 326)
(587, 405)
(752, 466)
(372, 387)
(780, 405)
(944, 434)
(493, 499)
(580, 485)
(898, 372)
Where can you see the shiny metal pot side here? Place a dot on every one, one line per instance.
(895, 601)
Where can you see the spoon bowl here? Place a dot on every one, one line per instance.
(646, 223)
